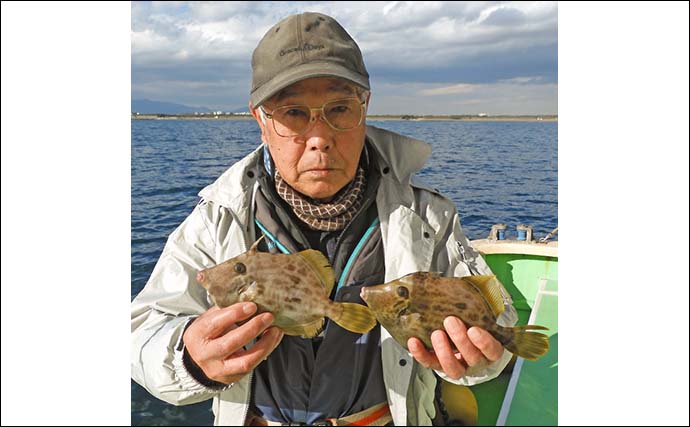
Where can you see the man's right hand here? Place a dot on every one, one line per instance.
(216, 343)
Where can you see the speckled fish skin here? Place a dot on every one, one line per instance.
(295, 288)
(416, 305)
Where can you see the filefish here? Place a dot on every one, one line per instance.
(416, 305)
(295, 288)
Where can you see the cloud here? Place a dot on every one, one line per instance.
(505, 16)
(523, 80)
(449, 90)
(444, 44)
(499, 98)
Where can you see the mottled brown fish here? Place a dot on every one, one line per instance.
(416, 305)
(295, 288)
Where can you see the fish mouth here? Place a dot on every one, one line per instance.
(369, 295)
(201, 278)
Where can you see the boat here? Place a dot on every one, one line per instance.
(526, 392)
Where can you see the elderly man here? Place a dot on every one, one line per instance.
(322, 179)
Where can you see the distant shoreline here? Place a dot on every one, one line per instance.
(461, 118)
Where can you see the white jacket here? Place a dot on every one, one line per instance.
(420, 231)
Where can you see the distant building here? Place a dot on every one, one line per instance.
(482, 115)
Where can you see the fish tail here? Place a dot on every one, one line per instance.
(355, 318)
(527, 344)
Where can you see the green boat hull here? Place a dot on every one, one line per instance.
(526, 392)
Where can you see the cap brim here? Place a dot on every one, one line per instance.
(305, 71)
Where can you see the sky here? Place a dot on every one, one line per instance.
(422, 57)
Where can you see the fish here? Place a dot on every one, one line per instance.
(416, 305)
(295, 288)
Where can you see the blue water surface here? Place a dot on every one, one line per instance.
(495, 172)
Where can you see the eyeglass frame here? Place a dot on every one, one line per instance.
(322, 115)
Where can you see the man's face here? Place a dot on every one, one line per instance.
(322, 160)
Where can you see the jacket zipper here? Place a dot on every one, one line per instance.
(461, 248)
(344, 275)
(249, 396)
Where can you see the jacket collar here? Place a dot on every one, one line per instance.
(399, 154)
(403, 155)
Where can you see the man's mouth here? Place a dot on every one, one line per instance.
(320, 171)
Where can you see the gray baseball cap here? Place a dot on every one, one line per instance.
(304, 46)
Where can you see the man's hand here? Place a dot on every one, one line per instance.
(475, 347)
(215, 341)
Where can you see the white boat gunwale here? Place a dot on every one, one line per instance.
(491, 247)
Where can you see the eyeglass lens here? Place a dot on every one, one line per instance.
(341, 114)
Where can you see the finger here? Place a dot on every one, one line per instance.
(271, 336)
(242, 335)
(446, 356)
(490, 347)
(210, 311)
(273, 332)
(218, 322)
(247, 360)
(422, 355)
(457, 331)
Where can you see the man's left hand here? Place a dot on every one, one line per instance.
(475, 347)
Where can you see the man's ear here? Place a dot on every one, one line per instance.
(260, 120)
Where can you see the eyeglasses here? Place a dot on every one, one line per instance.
(340, 114)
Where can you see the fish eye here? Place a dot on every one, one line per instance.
(403, 292)
(240, 268)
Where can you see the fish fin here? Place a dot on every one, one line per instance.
(354, 317)
(250, 293)
(255, 245)
(413, 325)
(527, 344)
(411, 320)
(531, 327)
(489, 287)
(307, 330)
(321, 266)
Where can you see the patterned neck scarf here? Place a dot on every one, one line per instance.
(328, 216)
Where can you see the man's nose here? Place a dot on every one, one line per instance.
(319, 136)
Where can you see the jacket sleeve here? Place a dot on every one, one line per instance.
(457, 258)
(170, 300)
